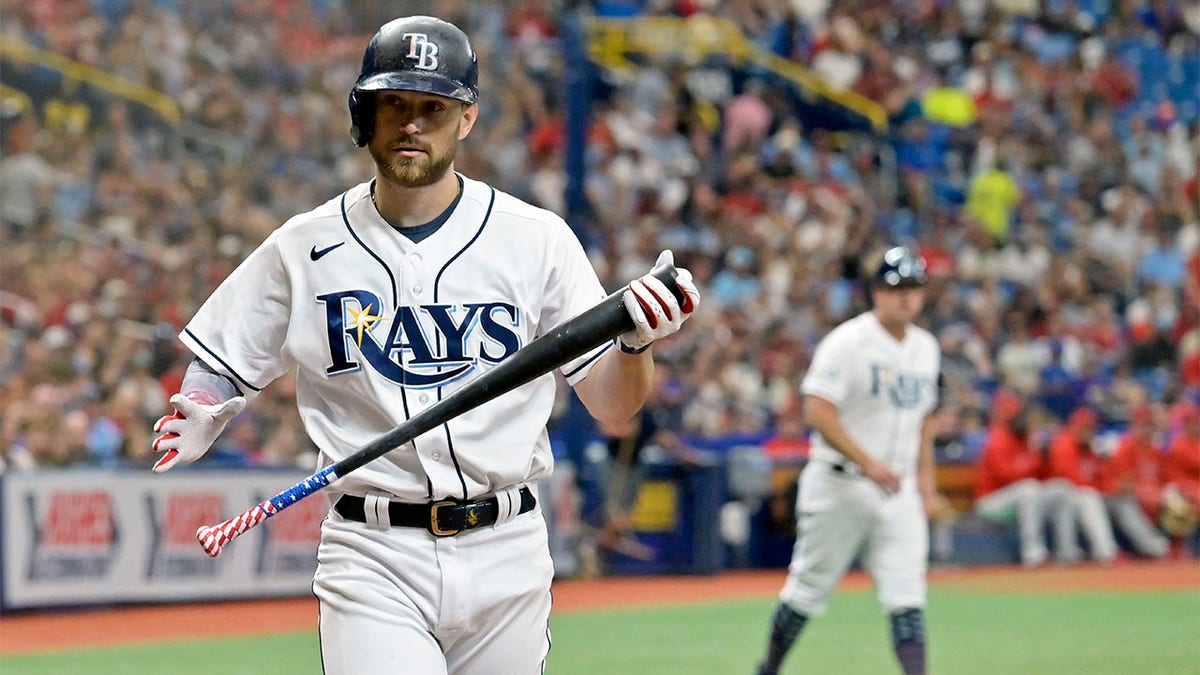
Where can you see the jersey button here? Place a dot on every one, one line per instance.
(424, 398)
(418, 288)
(416, 257)
(437, 456)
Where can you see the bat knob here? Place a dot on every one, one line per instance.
(211, 539)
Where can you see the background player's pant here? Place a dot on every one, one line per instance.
(1020, 501)
(1030, 503)
(401, 601)
(1127, 515)
(839, 516)
(1093, 517)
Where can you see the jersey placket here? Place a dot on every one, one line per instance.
(416, 289)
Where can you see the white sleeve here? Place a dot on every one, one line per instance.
(572, 288)
(241, 330)
(937, 374)
(830, 375)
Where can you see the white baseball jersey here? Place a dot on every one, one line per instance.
(379, 328)
(883, 389)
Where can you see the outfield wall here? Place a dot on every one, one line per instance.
(98, 537)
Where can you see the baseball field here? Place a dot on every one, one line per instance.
(1132, 617)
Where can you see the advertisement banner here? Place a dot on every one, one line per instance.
(73, 538)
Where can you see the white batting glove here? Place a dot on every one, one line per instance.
(191, 429)
(655, 311)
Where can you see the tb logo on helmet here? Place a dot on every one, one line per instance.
(421, 49)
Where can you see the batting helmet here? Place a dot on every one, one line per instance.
(414, 53)
(900, 269)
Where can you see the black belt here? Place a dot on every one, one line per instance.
(848, 468)
(443, 519)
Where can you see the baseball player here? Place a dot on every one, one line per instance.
(1009, 488)
(385, 300)
(869, 393)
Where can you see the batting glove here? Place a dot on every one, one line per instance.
(191, 429)
(655, 311)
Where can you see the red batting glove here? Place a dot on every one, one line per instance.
(653, 307)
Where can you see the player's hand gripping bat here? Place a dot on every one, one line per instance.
(576, 337)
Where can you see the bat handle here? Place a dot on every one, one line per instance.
(213, 538)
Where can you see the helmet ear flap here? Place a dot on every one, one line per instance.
(362, 119)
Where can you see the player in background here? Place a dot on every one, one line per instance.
(1008, 485)
(1181, 468)
(869, 393)
(1073, 461)
(651, 431)
(384, 300)
(1132, 484)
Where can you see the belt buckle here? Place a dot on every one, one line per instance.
(436, 529)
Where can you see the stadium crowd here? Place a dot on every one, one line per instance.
(1042, 157)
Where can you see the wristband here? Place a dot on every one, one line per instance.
(631, 350)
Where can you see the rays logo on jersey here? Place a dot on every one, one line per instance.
(443, 342)
(905, 390)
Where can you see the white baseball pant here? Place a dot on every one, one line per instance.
(839, 516)
(399, 600)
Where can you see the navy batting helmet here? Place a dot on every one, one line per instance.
(414, 53)
(900, 269)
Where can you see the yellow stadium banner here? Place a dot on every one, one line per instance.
(657, 506)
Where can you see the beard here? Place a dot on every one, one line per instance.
(411, 172)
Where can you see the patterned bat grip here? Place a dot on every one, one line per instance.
(213, 538)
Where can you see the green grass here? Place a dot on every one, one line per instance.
(261, 655)
(970, 632)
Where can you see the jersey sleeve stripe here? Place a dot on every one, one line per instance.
(391, 277)
(585, 364)
(218, 359)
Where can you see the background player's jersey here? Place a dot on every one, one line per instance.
(883, 388)
(380, 328)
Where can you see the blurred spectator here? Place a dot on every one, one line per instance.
(1067, 197)
(991, 199)
(648, 437)
(26, 179)
(790, 441)
(1163, 263)
(1020, 359)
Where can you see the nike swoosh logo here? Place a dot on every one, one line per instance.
(316, 255)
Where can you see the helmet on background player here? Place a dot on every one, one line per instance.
(415, 53)
(900, 269)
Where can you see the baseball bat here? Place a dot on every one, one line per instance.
(572, 339)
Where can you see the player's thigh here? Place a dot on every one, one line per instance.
(355, 642)
(897, 552)
(834, 513)
(510, 588)
(516, 641)
(377, 596)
